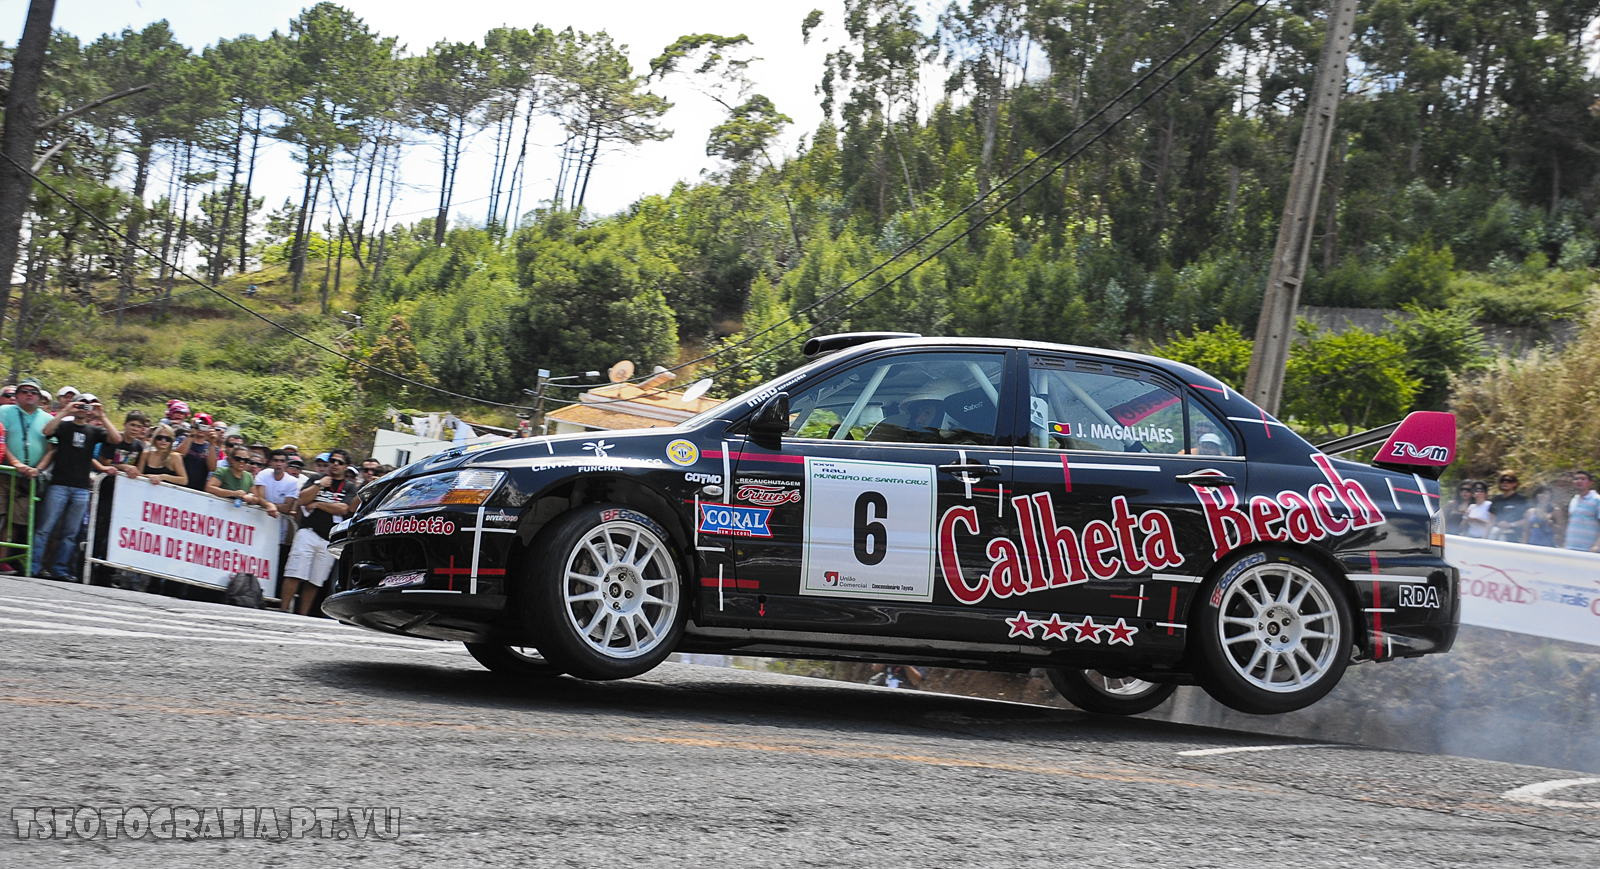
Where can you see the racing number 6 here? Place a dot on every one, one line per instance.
(872, 539)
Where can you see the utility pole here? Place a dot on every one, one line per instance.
(538, 398)
(1275, 331)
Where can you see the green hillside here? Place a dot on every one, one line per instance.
(223, 361)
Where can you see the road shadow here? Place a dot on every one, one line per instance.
(687, 694)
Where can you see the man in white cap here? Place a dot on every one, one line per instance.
(64, 396)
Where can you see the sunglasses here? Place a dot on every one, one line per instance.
(339, 462)
(28, 391)
(159, 438)
(369, 470)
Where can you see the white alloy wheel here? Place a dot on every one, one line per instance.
(620, 589)
(1108, 694)
(1279, 627)
(1119, 686)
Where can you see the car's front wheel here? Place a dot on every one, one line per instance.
(1109, 693)
(1274, 632)
(513, 660)
(605, 593)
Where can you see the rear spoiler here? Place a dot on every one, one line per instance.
(1423, 443)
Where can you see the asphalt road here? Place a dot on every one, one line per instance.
(117, 699)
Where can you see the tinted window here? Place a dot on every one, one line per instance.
(933, 398)
(1085, 405)
(1207, 435)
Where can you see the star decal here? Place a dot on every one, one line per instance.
(1055, 628)
(1088, 631)
(1022, 626)
(1121, 632)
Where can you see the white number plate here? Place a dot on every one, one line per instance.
(869, 530)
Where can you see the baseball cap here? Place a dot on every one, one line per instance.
(89, 397)
(177, 405)
(66, 389)
(297, 461)
(1211, 438)
(324, 457)
(203, 418)
(33, 382)
(290, 448)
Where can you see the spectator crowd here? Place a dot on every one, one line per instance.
(57, 444)
(1560, 515)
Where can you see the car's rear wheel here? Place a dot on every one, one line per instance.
(605, 597)
(1109, 693)
(513, 660)
(1274, 632)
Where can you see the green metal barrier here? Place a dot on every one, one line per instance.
(14, 552)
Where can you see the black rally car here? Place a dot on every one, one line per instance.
(1126, 522)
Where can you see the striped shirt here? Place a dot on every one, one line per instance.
(1583, 521)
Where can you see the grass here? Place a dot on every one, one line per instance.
(225, 362)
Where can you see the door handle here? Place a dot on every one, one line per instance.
(1205, 479)
(977, 469)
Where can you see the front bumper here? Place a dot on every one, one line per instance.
(432, 615)
(439, 574)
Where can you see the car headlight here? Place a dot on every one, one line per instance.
(456, 488)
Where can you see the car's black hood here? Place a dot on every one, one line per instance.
(634, 444)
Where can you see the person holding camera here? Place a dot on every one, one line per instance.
(324, 501)
(78, 429)
(200, 448)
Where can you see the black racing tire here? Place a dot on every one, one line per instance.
(1273, 631)
(604, 593)
(1108, 694)
(513, 660)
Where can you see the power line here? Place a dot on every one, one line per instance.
(241, 306)
(985, 217)
(918, 242)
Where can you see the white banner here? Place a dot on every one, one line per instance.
(1538, 590)
(172, 531)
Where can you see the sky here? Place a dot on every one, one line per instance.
(787, 74)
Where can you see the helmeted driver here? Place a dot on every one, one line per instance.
(920, 417)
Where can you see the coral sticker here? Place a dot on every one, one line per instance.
(683, 453)
(735, 521)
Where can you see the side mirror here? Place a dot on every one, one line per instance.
(773, 417)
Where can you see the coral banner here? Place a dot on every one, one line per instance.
(1535, 590)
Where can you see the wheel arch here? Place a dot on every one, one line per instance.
(567, 495)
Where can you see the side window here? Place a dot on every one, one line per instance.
(1084, 405)
(1207, 435)
(929, 398)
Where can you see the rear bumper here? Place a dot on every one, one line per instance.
(432, 615)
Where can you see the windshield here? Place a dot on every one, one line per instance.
(748, 401)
